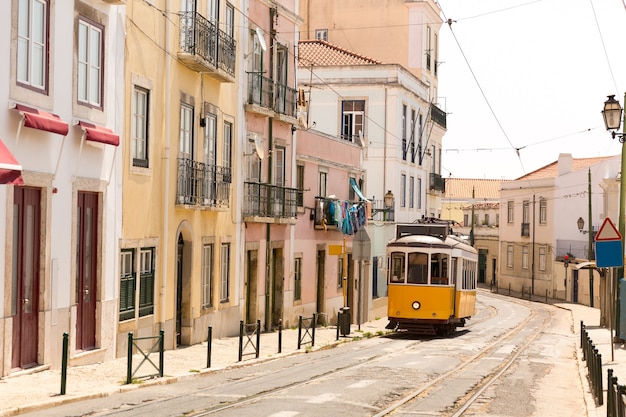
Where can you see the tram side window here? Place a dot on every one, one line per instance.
(439, 269)
(469, 274)
(397, 267)
(418, 268)
(454, 271)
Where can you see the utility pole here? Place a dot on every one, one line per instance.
(472, 231)
(590, 242)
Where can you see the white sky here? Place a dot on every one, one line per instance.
(542, 67)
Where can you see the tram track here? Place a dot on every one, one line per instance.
(466, 401)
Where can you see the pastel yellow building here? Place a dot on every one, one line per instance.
(177, 249)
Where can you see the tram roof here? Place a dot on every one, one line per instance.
(427, 241)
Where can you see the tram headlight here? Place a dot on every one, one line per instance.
(416, 305)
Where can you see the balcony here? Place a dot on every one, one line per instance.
(324, 219)
(202, 185)
(206, 48)
(438, 115)
(268, 97)
(437, 183)
(266, 203)
(525, 229)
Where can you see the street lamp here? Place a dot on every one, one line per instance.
(581, 224)
(612, 114)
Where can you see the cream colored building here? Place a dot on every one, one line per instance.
(178, 256)
(539, 216)
(403, 33)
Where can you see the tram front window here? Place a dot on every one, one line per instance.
(418, 268)
(439, 269)
(397, 267)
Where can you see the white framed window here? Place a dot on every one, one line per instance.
(139, 127)
(525, 257)
(229, 24)
(411, 192)
(32, 43)
(509, 211)
(279, 166)
(352, 116)
(207, 275)
(509, 256)
(185, 145)
(227, 157)
(210, 135)
(297, 278)
(419, 193)
(322, 184)
(526, 211)
(412, 135)
(543, 211)
(542, 258)
(127, 285)
(402, 190)
(321, 34)
(146, 281)
(405, 144)
(224, 272)
(90, 44)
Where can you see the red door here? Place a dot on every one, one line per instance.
(86, 280)
(25, 278)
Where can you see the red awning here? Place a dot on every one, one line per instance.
(100, 134)
(42, 120)
(10, 169)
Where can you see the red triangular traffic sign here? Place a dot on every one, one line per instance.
(608, 231)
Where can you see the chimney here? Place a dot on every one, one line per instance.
(565, 163)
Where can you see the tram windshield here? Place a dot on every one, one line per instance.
(418, 268)
(397, 267)
(439, 269)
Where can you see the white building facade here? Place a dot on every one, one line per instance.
(63, 101)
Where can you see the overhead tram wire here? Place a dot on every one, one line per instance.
(482, 92)
(595, 16)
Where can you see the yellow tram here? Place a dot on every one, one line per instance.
(431, 276)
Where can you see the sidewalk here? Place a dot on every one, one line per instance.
(31, 391)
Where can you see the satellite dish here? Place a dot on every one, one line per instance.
(258, 146)
(261, 36)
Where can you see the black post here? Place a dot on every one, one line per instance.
(338, 325)
(280, 335)
(240, 340)
(299, 331)
(258, 338)
(161, 352)
(129, 362)
(313, 330)
(208, 347)
(64, 364)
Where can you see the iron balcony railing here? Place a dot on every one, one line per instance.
(201, 38)
(438, 115)
(264, 92)
(201, 184)
(437, 183)
(273, 201)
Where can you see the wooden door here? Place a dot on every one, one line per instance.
(25, 278)
(86, 270)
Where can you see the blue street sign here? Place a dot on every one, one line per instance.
(609, 253)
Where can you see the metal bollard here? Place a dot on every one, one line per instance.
(64, 364)
(129, 362)
(299, 331)
(258, 338)
(280, 335)
(240, 340)
(313, 330)
(209, 341)
(161, 352)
